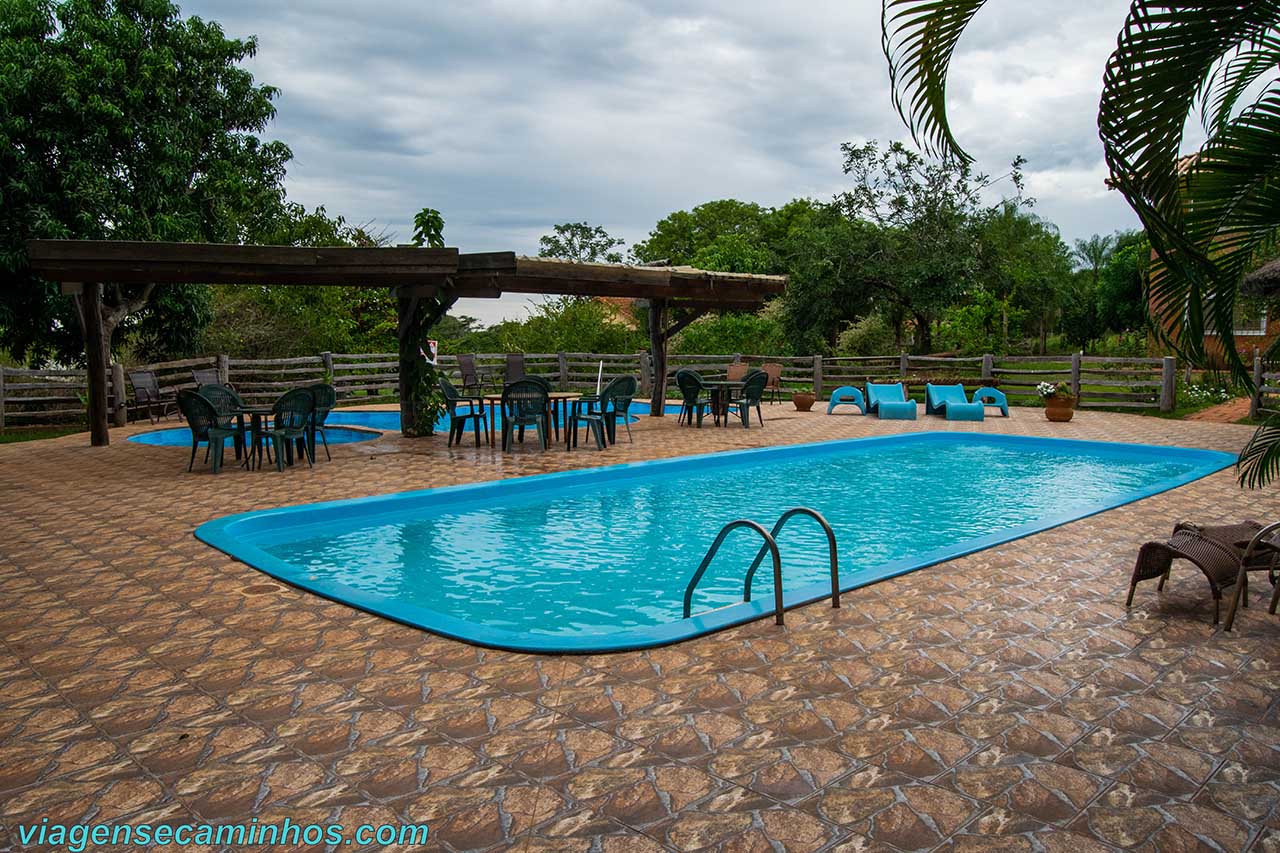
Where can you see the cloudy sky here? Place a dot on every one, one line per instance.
(512, 116)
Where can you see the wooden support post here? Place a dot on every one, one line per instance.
(1255, 402)
(646, 378)
(407, 314)
(564, 369)
(988, 368)
(224, 368)
(95, 350)
(904, 365)
(817, 377)
(658, 352)
(119, 399)
(1075, 375)
(1169, 384)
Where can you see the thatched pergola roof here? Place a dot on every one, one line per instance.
(1264, 281)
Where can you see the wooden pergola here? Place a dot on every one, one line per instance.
(675, 295)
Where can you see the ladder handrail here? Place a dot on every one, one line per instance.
(769, 545)
(831, 549)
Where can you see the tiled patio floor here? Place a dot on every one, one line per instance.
(1004, 700)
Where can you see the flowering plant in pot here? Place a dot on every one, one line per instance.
(1059, 405)
(803, 397)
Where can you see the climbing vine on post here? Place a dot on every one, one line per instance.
(426, 402)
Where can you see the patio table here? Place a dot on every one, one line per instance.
(563, 398)
(721, 396)
(255, 449)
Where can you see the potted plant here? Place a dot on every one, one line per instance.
(803, 398)
(1059, 405)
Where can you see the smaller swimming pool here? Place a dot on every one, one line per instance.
(348, 426)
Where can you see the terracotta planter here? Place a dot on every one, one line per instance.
(804, 402)
(1059, 409)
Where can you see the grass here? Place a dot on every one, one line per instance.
(10, 436)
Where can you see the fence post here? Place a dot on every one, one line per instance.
(326, 358)
(119, 412)
(564, 369)
(1075, 375)
(224, 368)
(988, 368)
(1255, 402)
(904, 364)
(817, 377)
(1169, 384)
(1, 398)
(646, 375)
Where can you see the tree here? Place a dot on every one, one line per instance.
(928, 213)
(733, 253)
(1092, 253)
(1121, 304)
(579, 241)
(124, 120)
(1024, 266)
(1211, 217)
(679, 236)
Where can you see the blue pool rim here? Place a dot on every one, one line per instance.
(222, 533)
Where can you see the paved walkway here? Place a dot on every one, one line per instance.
(1224, 413)
(1002, 700)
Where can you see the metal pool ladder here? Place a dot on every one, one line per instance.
(770, 546)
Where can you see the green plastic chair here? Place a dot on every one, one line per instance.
(292, 415)
(205, 423)
(326, 399)
(524, 404)
(752, 392)
(624, 391)
(458, 420)
(228, 405)
(696, 399)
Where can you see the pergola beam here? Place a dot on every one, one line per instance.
(412, 273)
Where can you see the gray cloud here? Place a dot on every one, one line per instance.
(512, 115)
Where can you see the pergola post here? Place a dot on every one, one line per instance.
(408, 334)
(95, 350)
(658, 352)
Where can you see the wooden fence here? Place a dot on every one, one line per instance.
(36, 396)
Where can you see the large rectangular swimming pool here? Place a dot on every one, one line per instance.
(598, 559)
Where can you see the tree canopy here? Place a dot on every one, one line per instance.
(124, 120)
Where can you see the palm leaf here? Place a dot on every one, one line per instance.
(919, 38)
(1225, 86)
(1259, 462)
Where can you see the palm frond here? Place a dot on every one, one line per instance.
(1166, 52)
(919, 38)
(1224, 87)
(1259, 462)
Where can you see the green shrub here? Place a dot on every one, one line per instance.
(726, 334)
(869, 336)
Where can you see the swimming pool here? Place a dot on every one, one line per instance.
(369, 425)
(598, 559)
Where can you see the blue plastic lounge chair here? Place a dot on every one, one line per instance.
(992, 397)
(847, 395)
(890, 402)
(950, 400)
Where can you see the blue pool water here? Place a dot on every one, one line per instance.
(370, 425)
(598, 559)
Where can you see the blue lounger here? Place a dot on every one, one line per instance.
(847, 395)
(950, 400)
(992, 397)
(890, 402)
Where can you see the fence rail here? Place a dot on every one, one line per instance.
(39, 396)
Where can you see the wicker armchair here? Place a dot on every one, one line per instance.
(752, 392)
(457, 419)
(229, 407)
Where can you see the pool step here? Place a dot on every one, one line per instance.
(770, 546)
